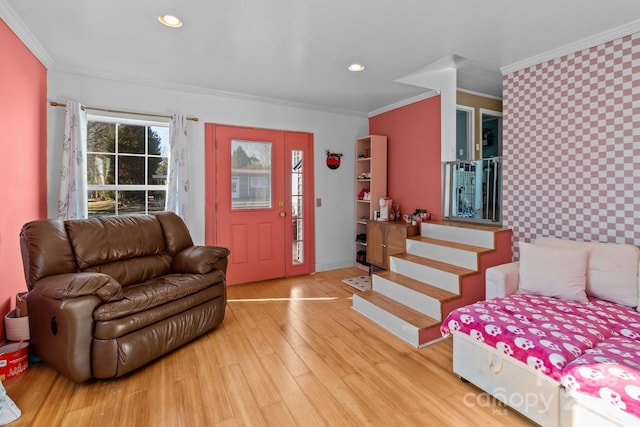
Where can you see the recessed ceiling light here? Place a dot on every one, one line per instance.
(170, 21)
(355, 67)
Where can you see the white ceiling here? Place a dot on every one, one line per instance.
(297, 51)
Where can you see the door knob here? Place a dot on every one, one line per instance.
(283, 214)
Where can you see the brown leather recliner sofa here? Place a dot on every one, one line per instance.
(108, 295)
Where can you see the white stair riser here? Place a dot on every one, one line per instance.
(412, 299)
(393, 324)
(463, 235)
(439, 278)
(453, 256)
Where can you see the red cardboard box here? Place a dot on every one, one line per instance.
(14, 359)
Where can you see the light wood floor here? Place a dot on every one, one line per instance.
(289, 352)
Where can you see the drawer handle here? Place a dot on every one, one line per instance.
(495, 364)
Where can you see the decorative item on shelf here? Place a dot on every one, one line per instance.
(385, 209)
(364, 194)
(333, 159)
(421, 215)
(396, 212)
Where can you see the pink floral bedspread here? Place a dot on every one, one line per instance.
(592, 348)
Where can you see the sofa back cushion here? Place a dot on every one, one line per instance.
(45, 250)
(612, 269)
(129, 248)
(176, 233)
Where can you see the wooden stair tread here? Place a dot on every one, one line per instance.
(449, 244)
(399, 310)
(424, 288)
(449, 268)
(472, 225)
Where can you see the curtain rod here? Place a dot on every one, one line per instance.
(108, 110)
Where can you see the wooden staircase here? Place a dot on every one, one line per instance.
(442, 269)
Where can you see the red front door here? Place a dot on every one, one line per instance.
(256, 209)
(250, 194)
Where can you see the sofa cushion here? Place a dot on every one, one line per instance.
(612, 271)
(176, 233)
(553, 272)
(135, 270)
(115, 328)
(156, 292)
(98, 241)
(45, 250)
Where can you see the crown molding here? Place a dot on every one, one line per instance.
(404, 102)
(156, 84)
(483, 95)
(594, 40)
(14, 22)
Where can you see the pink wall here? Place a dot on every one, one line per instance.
(572, 146)
(23, 168)
(414, 177)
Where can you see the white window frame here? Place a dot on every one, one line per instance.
(128, 187)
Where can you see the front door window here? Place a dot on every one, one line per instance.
(297, 199)
(250, 175)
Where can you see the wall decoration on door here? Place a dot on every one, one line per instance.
(333, 160)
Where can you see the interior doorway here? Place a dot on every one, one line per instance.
(491, 152)
(491, 133)
(259, 200)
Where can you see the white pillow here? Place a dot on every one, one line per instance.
(553, 272)
(612, 269)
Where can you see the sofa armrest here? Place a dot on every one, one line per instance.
(502, 280)
(200, 259)
(72, 285)
(61, 332)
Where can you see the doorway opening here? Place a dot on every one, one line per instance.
(473, 182)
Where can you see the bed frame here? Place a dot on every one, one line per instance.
(521, 387)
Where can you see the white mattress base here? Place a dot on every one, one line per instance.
(508, 380)
(579, 409)
(521, 387)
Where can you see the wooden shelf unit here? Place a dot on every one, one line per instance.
(371, 174)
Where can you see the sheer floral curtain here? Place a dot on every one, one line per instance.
(72, 200)
(178, 183)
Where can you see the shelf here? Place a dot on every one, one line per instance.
(371, 176)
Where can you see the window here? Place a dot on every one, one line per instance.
(127, 163)
(250, 175)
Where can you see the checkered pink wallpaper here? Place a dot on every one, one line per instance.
(572, 146)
